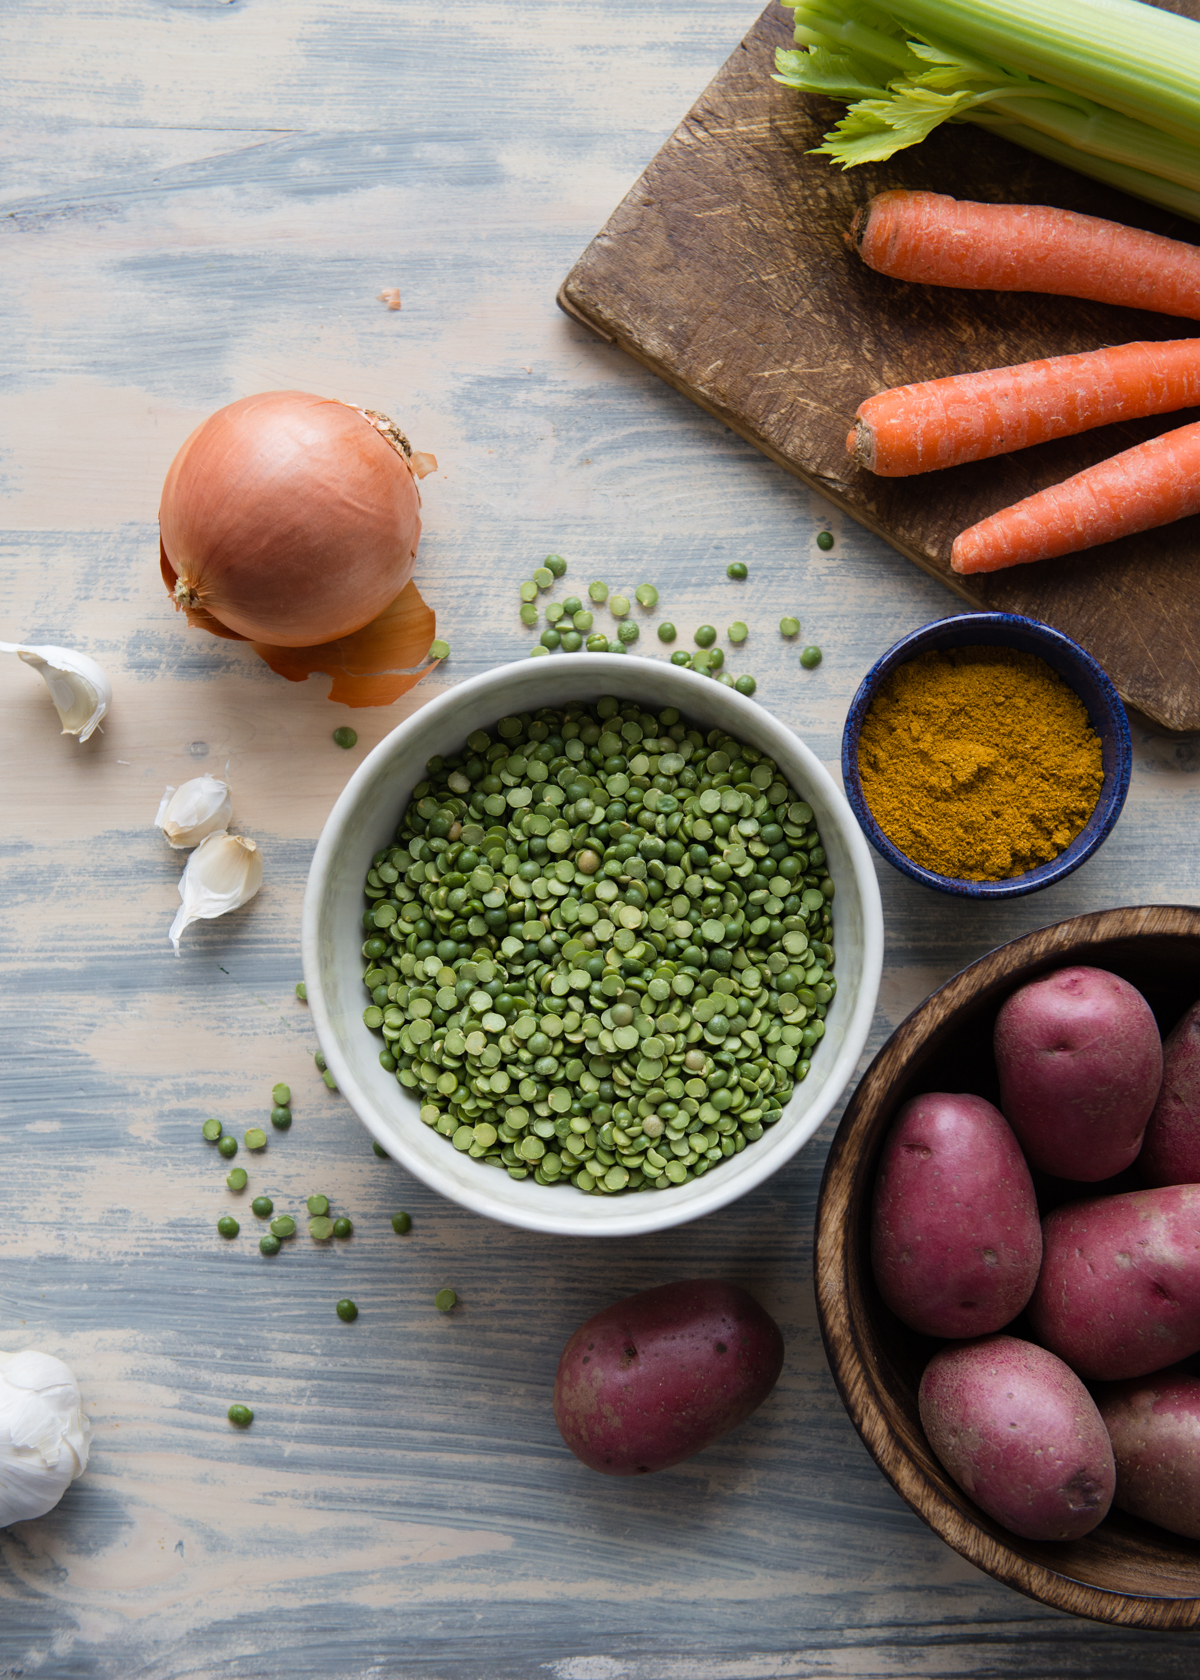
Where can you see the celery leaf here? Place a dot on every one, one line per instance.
(873, 129)
(836, 75)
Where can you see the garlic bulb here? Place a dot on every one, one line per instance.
(43, 1434)
(190, 813)
(78, 687)
(222, 873)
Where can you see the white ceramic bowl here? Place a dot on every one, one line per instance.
(364, 820)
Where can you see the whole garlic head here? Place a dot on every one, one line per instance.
(190, 813)
(44, 1435)
(78, 687)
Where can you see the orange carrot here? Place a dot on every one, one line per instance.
(972, 416)
(1149, 485)
(1026, 248)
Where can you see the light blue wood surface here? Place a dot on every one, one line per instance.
(204, 200)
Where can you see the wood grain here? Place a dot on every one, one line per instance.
(726, 270)
(1126, 1571)
(204, 200)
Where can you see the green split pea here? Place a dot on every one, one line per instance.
(600, 949)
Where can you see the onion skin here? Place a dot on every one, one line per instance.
(374, 666)
(289, 519)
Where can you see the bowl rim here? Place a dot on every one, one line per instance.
(637, 1215)
(840, 1302)
(1113, 792)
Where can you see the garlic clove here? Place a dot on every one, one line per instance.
(44, 1435)
(190, 813)
(224, 872)
(78, 687)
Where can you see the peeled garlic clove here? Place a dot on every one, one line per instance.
(190, 813)
(80, 690)
(43, 1434)
(222, 873)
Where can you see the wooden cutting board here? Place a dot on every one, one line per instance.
(726, 271)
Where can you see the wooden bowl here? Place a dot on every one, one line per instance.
(1126, 1571)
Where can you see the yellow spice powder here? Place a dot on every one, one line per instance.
(979, 763)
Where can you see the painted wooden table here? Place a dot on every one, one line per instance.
(201, 200)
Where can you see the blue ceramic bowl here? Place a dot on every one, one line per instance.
(1077, 669)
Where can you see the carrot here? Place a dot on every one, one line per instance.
(1149, 485)
(972, 416)
(944, 241)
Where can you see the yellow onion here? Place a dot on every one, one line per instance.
(290, 519)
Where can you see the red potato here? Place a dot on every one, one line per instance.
(1171, 1148)
(1118, 1294)
(1080, 1064)
(1154, 1426)
(654, 1378)
(955, 1238)
(1018, 1431)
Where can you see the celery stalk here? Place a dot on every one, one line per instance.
(1132, 57)
(1101, 134)
(1060, 77)
(1184, 201)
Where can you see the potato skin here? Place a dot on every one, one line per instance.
(1018, 1431)
(654, 1378)
(955, 1238)
(1171, 1149)
(1080, 1064)
(1154, 1425)
(1118, 1294)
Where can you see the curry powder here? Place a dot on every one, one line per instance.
(979, 763)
